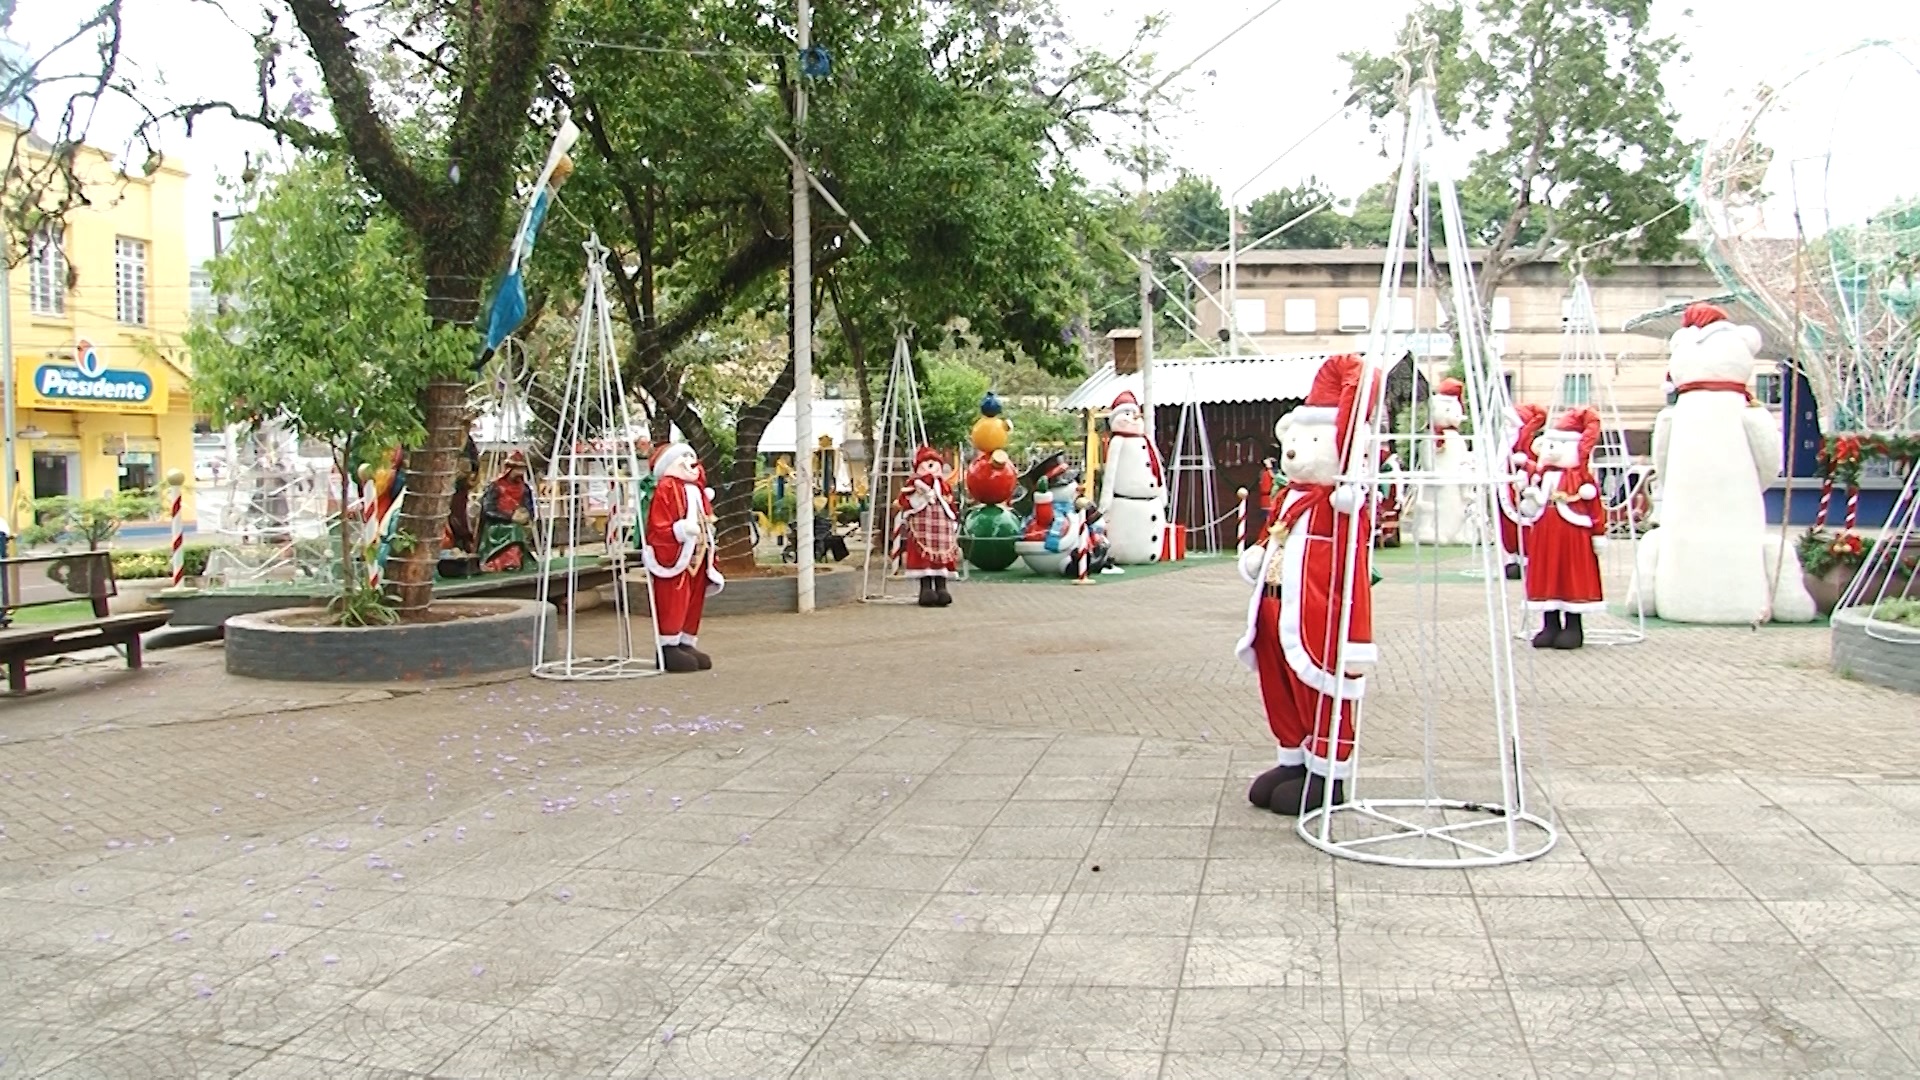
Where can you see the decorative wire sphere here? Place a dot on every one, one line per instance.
(1809, 204)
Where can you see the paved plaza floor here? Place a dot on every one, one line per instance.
(1008, 838)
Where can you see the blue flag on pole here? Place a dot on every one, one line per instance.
(509, 308)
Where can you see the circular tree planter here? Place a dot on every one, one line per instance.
(471, 637)
(776, 593)
(1883, 653)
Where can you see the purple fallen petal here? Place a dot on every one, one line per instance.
(329, 959)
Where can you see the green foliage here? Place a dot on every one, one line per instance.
(158, 562)
(1034, 429)
(1904, 612)
(1821, 551)
(777, 510)
(1323, 227)
(327, 330)
(62, 521)
(363, 607)
(1190, 215)
(1571, 90)
(950, 400)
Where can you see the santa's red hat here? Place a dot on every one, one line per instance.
(1322, 405)
(1452, 388)
(926, 454)
(1580, 425)
(666, 457)
(1699, 315)
(1125, 402)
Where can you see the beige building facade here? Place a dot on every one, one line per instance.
(1323, 301)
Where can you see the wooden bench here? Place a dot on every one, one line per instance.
(44, 580)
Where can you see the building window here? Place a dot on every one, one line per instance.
(1403, 313)
(1302, 316)
(130, 281)
(1770, 388)
(1353, 314)
(1569, 320)
(1250, 316)
(47, 272)
(1576, 390)
(1506, 380)
(1502, 313)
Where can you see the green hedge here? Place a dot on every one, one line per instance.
(157, 563)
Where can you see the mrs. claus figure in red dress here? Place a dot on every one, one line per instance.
(679, 554)
(927, 528)
(1567, 528)
(1525, 421)
(1303, 590)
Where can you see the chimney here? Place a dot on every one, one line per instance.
(1126, 351)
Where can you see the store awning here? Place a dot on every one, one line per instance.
(1662, 322)
(1206, 381)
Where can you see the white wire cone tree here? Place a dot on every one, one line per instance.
(1584, 379)
(903, 429)
(1466, 800)
(594, 423)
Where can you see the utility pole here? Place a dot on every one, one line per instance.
(802, 320)
(1146, 280)
(7, 366)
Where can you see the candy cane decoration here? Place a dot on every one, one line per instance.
(1826, 497)
(1240, 526)
(1853, 505)
(178, 481)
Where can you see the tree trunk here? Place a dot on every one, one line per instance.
(857, 352)
(429, 495)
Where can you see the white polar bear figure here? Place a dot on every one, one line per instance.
(1440, 511)
(1133, 489)
(1712, 558)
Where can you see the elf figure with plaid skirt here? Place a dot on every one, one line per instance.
(927, 528)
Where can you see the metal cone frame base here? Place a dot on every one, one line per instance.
(1427, 833)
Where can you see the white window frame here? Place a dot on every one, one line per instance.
(1501, 317)
(1581, 379)
(1250, 316)
(47, 271)
(1403, 313)
(130, 281)
(1770, 388)
(1353, 315)
(1302, 315)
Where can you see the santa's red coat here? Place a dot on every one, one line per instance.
(1292, 639)
(680, 589)
(1563, 572)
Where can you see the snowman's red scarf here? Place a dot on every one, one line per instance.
(1728, 386)
(1153, 454)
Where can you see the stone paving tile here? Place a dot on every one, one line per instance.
(756, 873)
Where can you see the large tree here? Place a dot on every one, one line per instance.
(943, 130)
(430, 101)
(1583, 152)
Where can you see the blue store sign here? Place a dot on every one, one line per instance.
(70, 382)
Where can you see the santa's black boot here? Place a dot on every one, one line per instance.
(1549, 630)
(1571, 635)
(705, 661)
(1300, 791)
(1260, 793)
(928, 598)
(679, 659)
(1513, 571)
(941, 596)
(1316, 793)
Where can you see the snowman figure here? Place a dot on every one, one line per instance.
(1133, 490)
(1712, 558)
(1440, 514)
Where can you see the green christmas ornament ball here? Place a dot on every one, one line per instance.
(988, 534)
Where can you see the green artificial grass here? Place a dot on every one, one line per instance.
(49, 614)
(1018, 574)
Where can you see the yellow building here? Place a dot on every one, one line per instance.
(99, 309)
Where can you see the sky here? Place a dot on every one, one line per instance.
(1242, 105)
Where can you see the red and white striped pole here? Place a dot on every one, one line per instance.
(1241, 526)
(177, 480)
(1853, 506)
(1826, 499)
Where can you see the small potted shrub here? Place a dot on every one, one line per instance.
(1829, 562)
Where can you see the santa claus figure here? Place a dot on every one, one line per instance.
(1439, 513)
(1133, 489)
(1311, 576)
(927, 529)
(679, 554)
(1566, 529)
(1525, 422)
